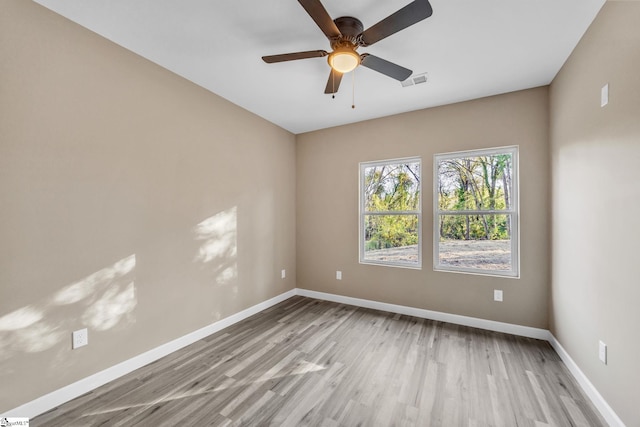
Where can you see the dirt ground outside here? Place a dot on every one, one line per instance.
(480, 254)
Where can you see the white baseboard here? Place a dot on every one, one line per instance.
(491, 325)
(596, 398)
(67, 393)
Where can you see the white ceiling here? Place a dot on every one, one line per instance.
(469, 48)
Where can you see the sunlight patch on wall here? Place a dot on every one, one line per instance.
(227, 274)
(21, 318)
(219, 236)
(102, 300)
(218, 249)
(38, 337)
(115, 303)
(24, 330)
(89, 285)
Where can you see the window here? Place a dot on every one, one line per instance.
(476, 212)
(390, 213)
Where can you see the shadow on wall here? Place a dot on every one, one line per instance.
(102, 299)
(218, 251)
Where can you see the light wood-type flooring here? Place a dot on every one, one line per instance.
(309, 362)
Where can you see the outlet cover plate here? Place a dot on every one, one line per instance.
(497, 295)
(80, 338)
(602, 352)
(604, 95)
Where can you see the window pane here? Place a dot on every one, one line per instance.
(475, 242)
(392, 187)
(391, 238)
(475, 183)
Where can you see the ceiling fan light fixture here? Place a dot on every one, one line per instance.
(344, 60)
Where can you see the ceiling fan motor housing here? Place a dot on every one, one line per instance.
(350, 28)
(344, 57)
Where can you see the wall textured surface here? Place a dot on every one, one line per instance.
(596, 203)
(132, 202)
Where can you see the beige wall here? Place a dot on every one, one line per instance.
(327, 206)
(596, 200)
(139, 205)
(108, 164)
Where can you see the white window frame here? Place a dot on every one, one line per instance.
(363, 213)
(513, 211)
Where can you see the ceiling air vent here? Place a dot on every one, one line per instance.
(415, 80)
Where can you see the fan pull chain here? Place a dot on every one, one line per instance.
(333, 84)
(353, 90)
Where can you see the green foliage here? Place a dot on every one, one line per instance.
(474, 184)
(467, 187)
(393, 193)
(390, 231)
(474, 227)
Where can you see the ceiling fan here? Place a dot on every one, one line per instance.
(346, 35)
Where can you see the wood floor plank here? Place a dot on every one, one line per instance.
(317, 363)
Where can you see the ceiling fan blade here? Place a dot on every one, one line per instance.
(334, 82)
(385, 67)
(414, 12)
(293, 56)
(319, 14)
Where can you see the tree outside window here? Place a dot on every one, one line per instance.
(390, 213)
(476, 212)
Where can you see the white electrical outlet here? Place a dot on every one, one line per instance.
(497, 295)
(338, 275)
(604, 95)
(602, 352)
(80, 338)
(283, 273)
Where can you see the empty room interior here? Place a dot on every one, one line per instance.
(192, 235)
